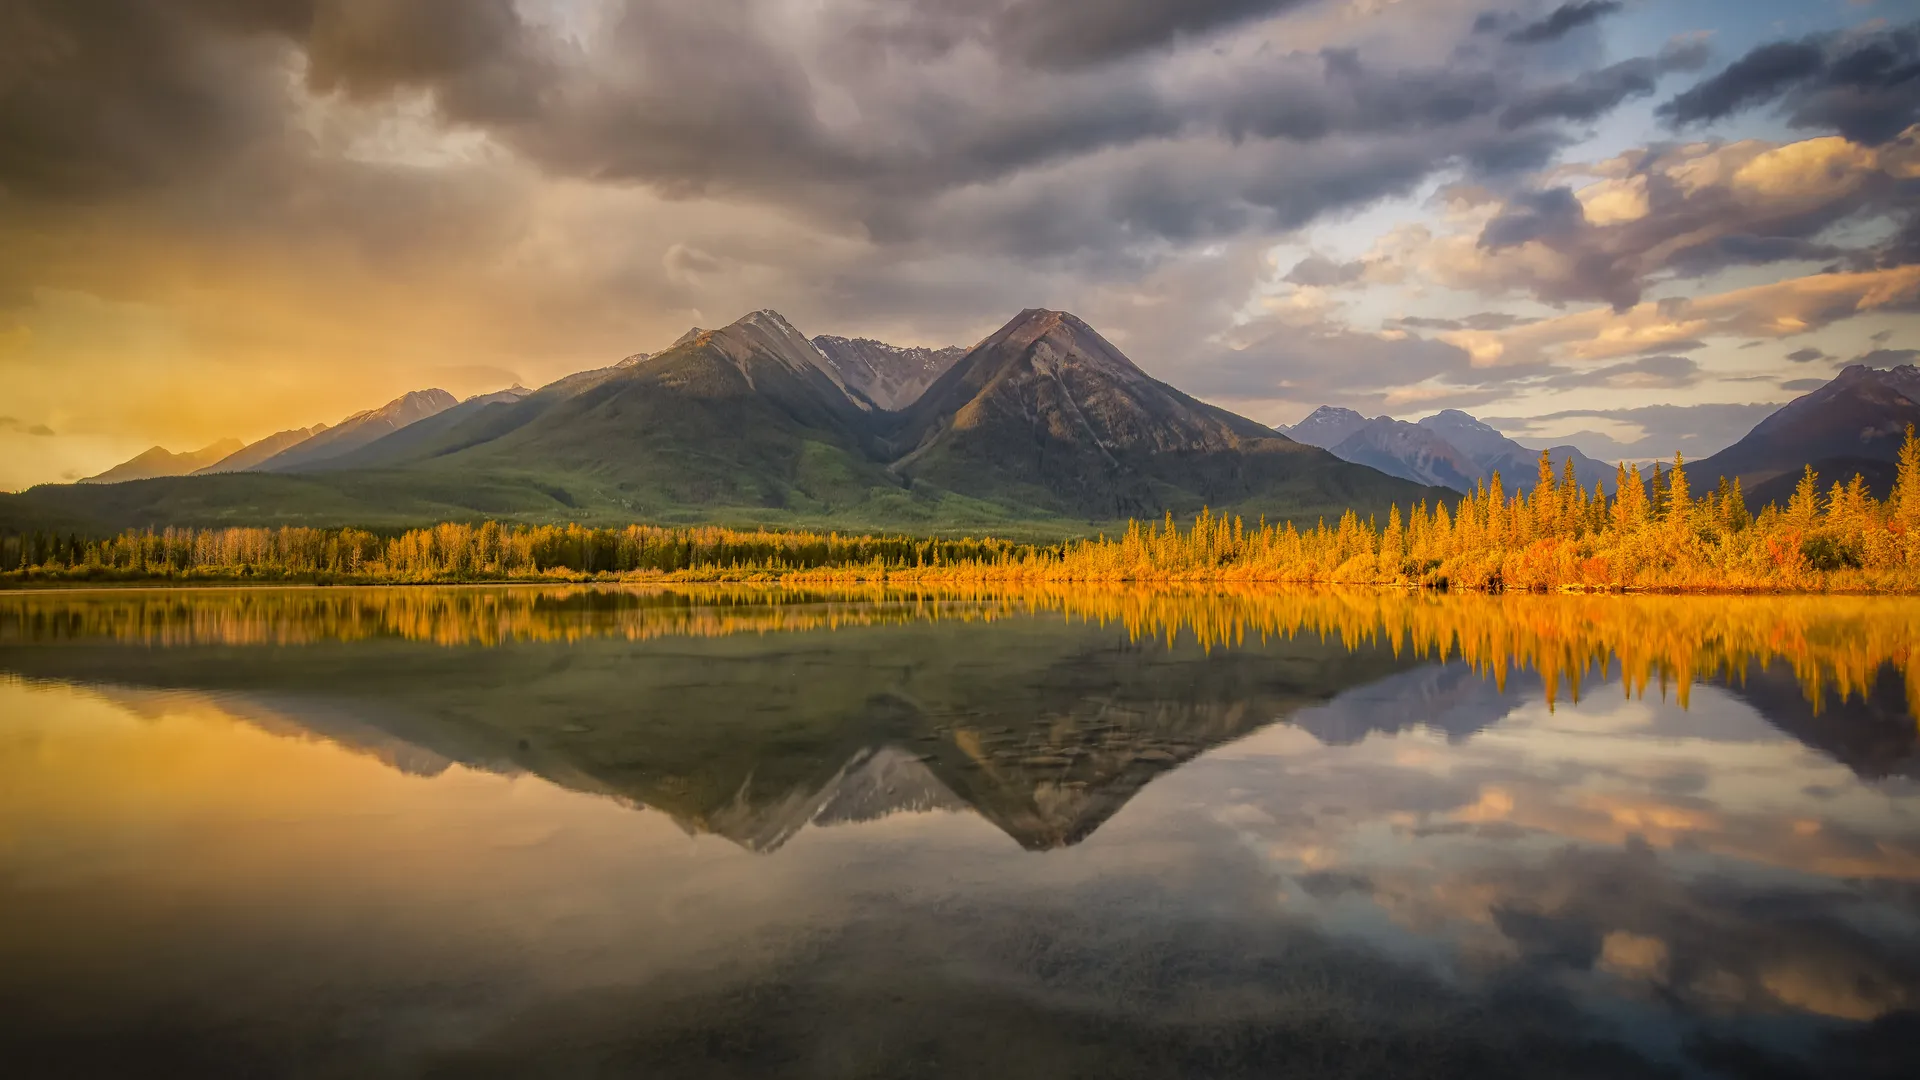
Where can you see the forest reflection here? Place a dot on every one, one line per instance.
(1837, 647)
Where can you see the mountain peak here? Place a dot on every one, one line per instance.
(1326, 427)
(767, 333)
(158, 461)
(1043, 338)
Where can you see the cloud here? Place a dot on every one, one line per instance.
(1865, 85)
(8, 423)
(1775, 310)
(1320, 272)
(1807, 355)
(1482, 320)
(1697, 431)
(1326, 364)
(1612, 230)
(1801, 386)
(1647, 372)
(1071, 32)
(1564, 20)
(1886, 358)
(1596, 93)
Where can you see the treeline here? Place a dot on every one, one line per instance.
(1655, 532)
(452, 552)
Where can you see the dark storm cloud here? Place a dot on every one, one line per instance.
(1807, 355)
(478, 57)
(1866, 86)
(1065, 33)
(1321, 272)
(1596, 93)
(1564, 20)
(995, 115)
(98, 98)
(1552, 214)
(1748, 249)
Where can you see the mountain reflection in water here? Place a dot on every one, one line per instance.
(366, 832)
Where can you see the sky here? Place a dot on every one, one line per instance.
(1635, 225)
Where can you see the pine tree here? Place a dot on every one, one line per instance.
(1904, 503)
(1679, 499)
(1803, 510)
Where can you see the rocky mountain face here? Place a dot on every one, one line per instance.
(1049, 412)
(1855, 423)
(1327, 426)
(748, 415)
(1517, 465)
(402, 445)
(1450, 449)
(360, 429)
(1410, 452)
(250, 456)
(159, 461)
(890, 377)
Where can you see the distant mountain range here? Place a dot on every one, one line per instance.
(1449, 449)
(1043, 422)
(158, 462)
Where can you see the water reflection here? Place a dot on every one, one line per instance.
(369, 832)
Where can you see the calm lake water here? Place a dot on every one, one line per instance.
(715, 833)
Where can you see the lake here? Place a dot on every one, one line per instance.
(725, 832)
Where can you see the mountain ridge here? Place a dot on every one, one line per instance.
(359, 429)
(1451, 449)
(1044, 422)
(158, 461)
(1856, 420)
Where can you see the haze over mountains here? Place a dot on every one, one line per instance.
(159, 461)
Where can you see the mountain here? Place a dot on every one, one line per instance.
(1450, 448)
(1043, 430)
(1410, 452)
(1047, 413)
(1855, 423)
(159, 461)
(891, 377)
(1326, 427)
(403, 445)
(251, 455)
(360, 429)
(751, 415)
(1517, 465)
